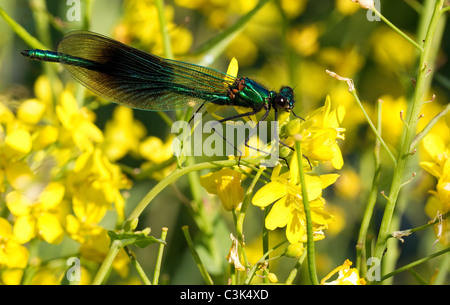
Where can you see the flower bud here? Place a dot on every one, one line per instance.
(294, 250)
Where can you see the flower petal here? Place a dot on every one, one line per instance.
(269, 193)
(50, 228)
(24, 228)
(279, 215)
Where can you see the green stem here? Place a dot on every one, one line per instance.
(198, 261)
(413, 264)
(295, 270)
(371, 201)
(137, 266)
(164, 30)
(21, 32)
(106, 265)
(396, 29)
(159, 258)
(265, 240)
(413, 115)
(372, 126)
(416, 229)
(352, 90)
(309, 226)
(241, 216)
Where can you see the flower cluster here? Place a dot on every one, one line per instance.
(58, 177)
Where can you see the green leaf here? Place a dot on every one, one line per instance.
(140, 238)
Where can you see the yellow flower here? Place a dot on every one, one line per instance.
(14, 145)
(43, 89)
(78, 123)
(95, 184)
(346, 276)
(439, 202)
(305, 40)
(225, 183)
(122, 134)
(438, 151)
(141, 22)
(31, 111)
(394, 54)
(156, 151)
(244, 48)
(12, 254)
(47, 276)
(320, 132)
(342, 61)
(287, 211)
(11, 276)
(345, 7)
(349, 184)
(37, 214)
(293, 8)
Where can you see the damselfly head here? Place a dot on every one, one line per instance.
(285, 99)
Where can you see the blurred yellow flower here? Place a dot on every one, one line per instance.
(122, 134)
(342, 61)
(293, 8)
(11, 276)
(349, 184)
(345, 7)
(391, 52)
(192, 4)
(346, 276)
(156, 151)
(43, 89)
(392, 125)
(12, 254)
(44, 136)
(141, 23)
(305, 40)
(284, 191)
(225, 183)
(77, 123)
(47, 276)
(244, 49)
(38, 213)
(94, 185)
(31, 111)
(14, 145)
(96, 247)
